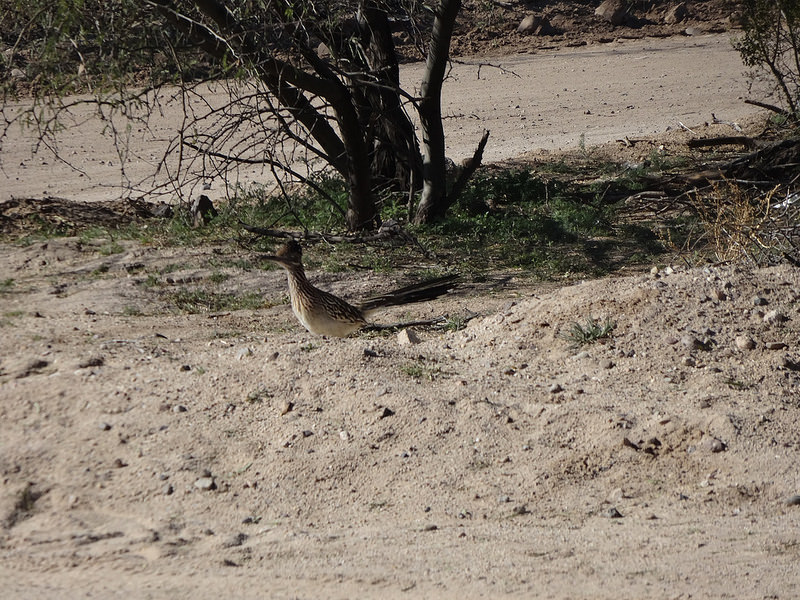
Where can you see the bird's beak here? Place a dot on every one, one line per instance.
(279, 260)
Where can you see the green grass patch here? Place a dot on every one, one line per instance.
(589, 332)
(202, 301)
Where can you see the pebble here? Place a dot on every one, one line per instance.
(607, 364)
(691, 342)
(792, 500)
(775, 346)
(205, 484)
(503, 499)
(408, 337)
(344, 436)
(759, 301)
(556, 388)
(714, 444)
(688, 361)
(287, 407)
(772, 317)
(788, 362)
(719, 295)
(613, 513)
(744, 342)
(179, 408)
(235, 540)
(244, 352)
(105, 426)
(168, 490)
(92, 361)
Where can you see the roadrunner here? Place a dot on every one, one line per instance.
(323, 313)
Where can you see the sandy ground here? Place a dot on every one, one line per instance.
(147, 453)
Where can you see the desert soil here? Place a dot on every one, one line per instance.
(147, 453)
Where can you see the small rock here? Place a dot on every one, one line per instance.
(502, 499)
(744, 342)
(105, 426)
(407, 337)
(244, 352)
(555, 388)
(628, 443)
(714, 444)
(32, 368)
(759, 301)
(775, 346)
(535, 25)
(612, 11)
(613, 513)
(792, 500)
(119, 463)
(386, 412)
(772, 317)
(520, 509)
(179, 408)
(286, 407)
(92, 361)
(235, 540)
(607, 364)
(18, 74)
(168, 490)
(205, 483)
(676, 14)
(788, 362)
(344, 436)
(307, 433)
(691, 342)
(688, 361)
(719, 295)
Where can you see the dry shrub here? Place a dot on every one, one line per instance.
(743, 223)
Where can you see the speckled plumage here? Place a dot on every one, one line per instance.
(322, 313)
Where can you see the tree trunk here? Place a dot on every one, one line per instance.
(395, 158)
(432, 205)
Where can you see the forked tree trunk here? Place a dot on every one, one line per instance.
(432, 204)
(396, 160)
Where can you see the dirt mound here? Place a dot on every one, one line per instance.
(143, 446)
(494, 27)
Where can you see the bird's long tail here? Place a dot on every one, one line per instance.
(416, 292)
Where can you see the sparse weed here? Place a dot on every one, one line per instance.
(591, 331)
(201, 300)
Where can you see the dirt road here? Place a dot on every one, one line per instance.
(548, 100)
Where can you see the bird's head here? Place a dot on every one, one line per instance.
(288, 255)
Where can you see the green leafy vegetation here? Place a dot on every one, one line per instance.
(202, 300)
(588, 333)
